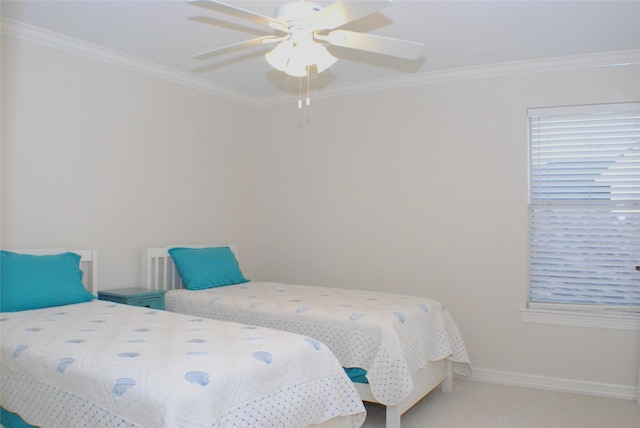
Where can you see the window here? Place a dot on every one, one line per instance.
(584, 208)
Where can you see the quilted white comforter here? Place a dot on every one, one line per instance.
(389, 335)
(106, 364)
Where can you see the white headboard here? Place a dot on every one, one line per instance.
(159, 271)
(88, 264)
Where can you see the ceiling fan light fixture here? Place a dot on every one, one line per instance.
(294, 58)
(323, 58)
(296, 65)
(278, 57)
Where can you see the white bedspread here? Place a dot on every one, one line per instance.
(106, 364)
(389, 335)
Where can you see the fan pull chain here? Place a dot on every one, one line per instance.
(308, 97)
(308, 100)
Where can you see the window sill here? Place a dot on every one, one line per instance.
(615, 321)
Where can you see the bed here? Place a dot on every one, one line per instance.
(74, 361)
(396, 348)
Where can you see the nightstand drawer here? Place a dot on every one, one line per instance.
(149, 302)
(135, 296)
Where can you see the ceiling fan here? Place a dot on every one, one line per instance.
(302, 29)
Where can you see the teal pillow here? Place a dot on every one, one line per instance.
(32, 282)
(202, 268)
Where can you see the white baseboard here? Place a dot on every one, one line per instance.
(555, 384)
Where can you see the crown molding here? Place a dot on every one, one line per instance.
(597, 60)
(74, 46)
(77, 47)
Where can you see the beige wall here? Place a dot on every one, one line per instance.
(419, 190)
(424, 191)
(95, 156)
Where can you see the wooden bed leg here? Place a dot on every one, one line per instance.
(393, 416)
(447, 383)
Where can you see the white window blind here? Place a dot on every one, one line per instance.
(584, 207)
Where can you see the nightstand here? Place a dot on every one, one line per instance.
(135, 296)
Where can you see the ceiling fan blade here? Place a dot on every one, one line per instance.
(240, 13)
(378, 44)
(342, 11)
(238, 46)
(209, 20)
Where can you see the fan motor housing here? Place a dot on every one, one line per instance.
(296, 11)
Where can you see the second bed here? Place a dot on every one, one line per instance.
(396, 348)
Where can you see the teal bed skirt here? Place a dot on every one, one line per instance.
(356, 374)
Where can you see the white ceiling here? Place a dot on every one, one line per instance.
(457, 34)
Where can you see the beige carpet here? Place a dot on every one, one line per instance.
(483, 405)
